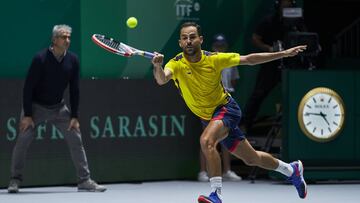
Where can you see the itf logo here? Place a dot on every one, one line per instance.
(187, 9)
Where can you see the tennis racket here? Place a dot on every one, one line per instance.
(119, 48)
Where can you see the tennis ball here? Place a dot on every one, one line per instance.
(131, 22)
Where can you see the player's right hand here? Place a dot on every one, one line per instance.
(158, 60)
(25, 123)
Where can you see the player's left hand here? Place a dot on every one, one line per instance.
(294, 51)
(74, 125)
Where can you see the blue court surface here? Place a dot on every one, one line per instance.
(187, 192)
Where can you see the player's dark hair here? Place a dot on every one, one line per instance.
(188, 24)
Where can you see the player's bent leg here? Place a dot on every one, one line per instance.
(213, 133)
(265, 160)
(251, 157)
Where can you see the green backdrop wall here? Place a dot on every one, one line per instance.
(30, 23)
(26, 28)
(335, 159)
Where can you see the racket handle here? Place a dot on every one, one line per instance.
(148, 55)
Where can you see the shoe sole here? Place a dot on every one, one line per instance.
(86, 190)
(203, 199)
(301, 169)
(13, 191)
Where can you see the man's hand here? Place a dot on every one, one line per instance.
(294, 51)
(158, 60)
(74, 125)
(161, 76)
(25, 123)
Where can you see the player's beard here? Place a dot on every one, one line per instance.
(191, 50)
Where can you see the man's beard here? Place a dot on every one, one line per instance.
(190, 51)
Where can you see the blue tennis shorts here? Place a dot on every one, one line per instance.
(230, 114)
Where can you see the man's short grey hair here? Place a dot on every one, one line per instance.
(59, 28)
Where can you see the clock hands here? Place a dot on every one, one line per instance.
(324, 117)
(318, 114)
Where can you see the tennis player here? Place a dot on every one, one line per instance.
(197, 74)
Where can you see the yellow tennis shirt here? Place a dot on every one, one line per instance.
(200, 83)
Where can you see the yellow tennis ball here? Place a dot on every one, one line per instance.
(131, 22)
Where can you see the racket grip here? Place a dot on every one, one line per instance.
(148, 55)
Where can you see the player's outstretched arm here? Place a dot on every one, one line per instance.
(161, 76)
(258, 58)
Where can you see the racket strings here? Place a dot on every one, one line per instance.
(111, 43)
(114, 44)
(118, 47)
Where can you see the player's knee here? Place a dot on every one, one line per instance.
(207, 144)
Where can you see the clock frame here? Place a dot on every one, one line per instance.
(315, 106)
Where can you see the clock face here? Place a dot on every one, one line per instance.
(321, 114)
